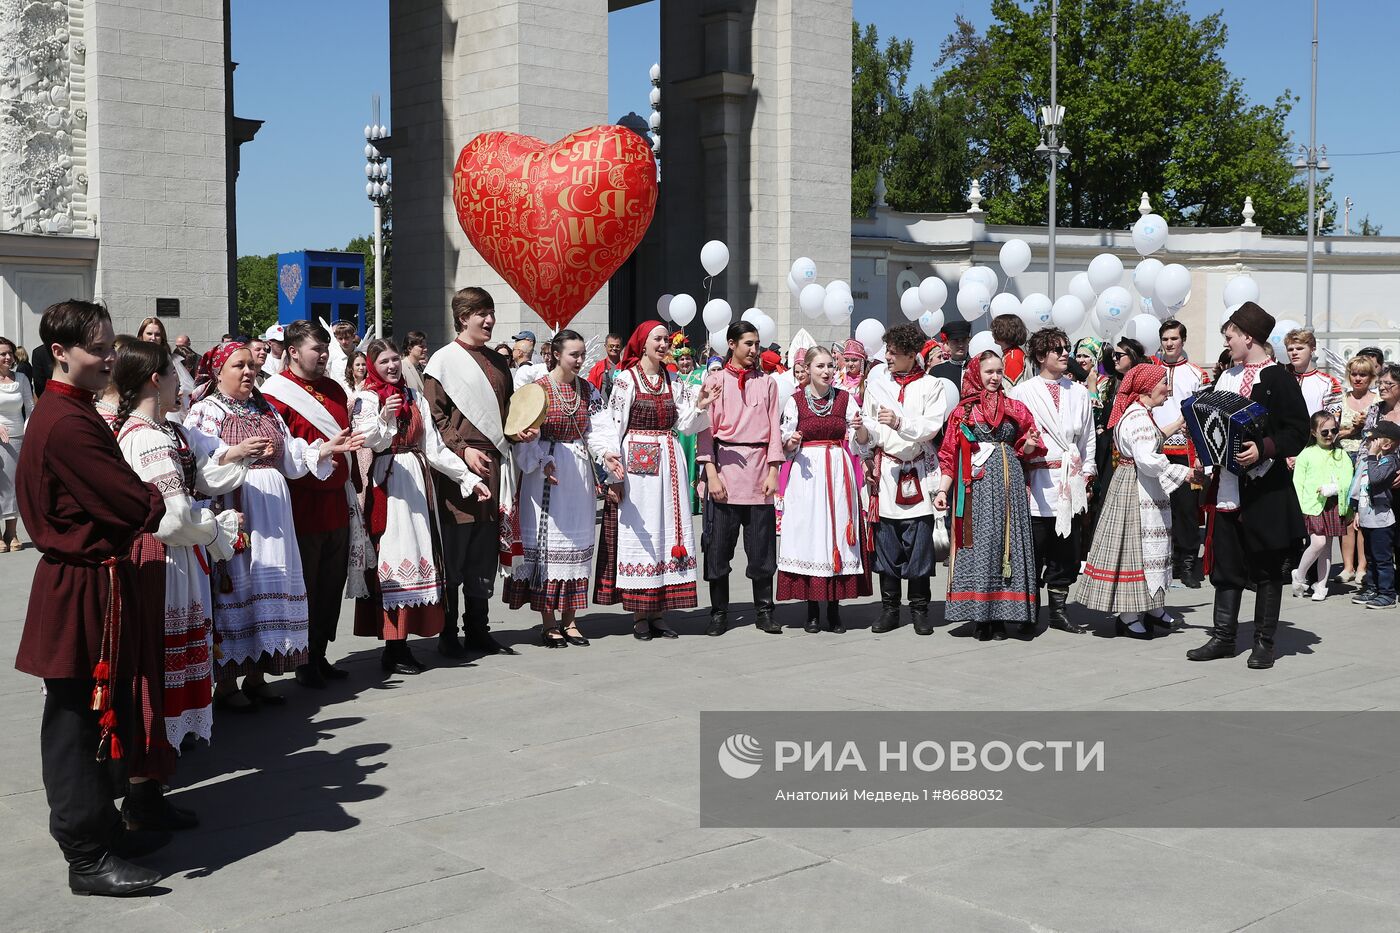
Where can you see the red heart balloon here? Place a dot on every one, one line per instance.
(556, 221)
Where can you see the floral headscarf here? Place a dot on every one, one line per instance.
(1140, 380)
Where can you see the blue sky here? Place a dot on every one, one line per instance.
(308, 68)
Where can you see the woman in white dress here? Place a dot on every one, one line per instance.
(172, 573)
(646, 558)
(260, 619)
(16, 405)
(819, 552)
(556, 498)
(406, 581)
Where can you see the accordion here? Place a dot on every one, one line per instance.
(1220, 423)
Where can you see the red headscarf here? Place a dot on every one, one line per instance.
(207, 373)
(637, 344)
(1140, 380)
(975, 394)
(770, 361)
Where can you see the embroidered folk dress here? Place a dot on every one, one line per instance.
(260, 619)
(820, 550)
(1130, 563)
(174, 560)
(406, 581)
(647, 556)
(994, 580)
(16, 405)
(557, 519)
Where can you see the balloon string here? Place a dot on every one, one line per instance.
(709, 280)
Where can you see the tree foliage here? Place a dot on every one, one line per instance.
(916, 137)
(1149, 106)
(1368, 228)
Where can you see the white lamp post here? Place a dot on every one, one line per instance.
(377, 190)
(1051, 119)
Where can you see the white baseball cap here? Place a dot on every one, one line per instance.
(275, 332)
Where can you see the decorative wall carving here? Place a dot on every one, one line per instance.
(42, 168)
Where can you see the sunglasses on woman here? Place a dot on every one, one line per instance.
(1327, 432)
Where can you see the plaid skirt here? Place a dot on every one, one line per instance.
(1114, 578)
(1328, 524)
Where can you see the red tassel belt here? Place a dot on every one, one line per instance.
(106, 667)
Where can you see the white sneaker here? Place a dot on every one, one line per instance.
(1300, 584)
(1319, 593)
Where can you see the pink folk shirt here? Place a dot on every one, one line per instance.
(743, 439)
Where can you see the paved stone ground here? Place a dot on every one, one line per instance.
(558, 790)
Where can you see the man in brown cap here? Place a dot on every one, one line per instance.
(1257, 521)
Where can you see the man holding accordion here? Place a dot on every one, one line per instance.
(1256, 521)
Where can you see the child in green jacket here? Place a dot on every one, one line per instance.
(1321, 473)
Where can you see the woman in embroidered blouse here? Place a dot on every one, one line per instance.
(646, 557)
(557, 496)
(819, 552)
(260, 618)
(177, 672)
(406, 582)
(987, 437)
(16, 405)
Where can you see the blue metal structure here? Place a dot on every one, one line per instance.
(312, 285)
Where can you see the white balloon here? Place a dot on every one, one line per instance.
(717, 315)
(1281, 329)
(1006, 303)
(1172, 286)
(752, 315)
(1240, 289)
(837, 306)
(811, 299)
(1105, 271)
(804, 271)
(714, 256)
(793, 287)
(983, 275)
(839, 286)
(1145, 277)
(871, 333)
(683, 309)
(973, 300)
(1107, 328)
(1068, 313)
(767, 330)
(910, 304)
(1081, 288)
(1036, 307)
(663, 307)
(932, 292)
(718, 342)
(980, 343)
(931, 322)
(1015, 257)
(1144, 329)
(1115, 304)
(1149, 234)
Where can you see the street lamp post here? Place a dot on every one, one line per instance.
(1312, 159)
(1051, 119)
(377, 190)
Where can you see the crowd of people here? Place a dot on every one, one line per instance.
(201, 518)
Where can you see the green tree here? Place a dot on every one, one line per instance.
(918, 138)
(1368, 228)
(1149, 106)
(257, 293)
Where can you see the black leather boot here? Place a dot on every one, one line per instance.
(1189, 573)
(889, 605)
(814, 621)
(476, 626)
(833, 618)
(145, 808)
(919, 592)
(109, 876)
(1225, 622)
(1268, 597)
(449, 645)
(765, 620)
(1058, 617)
(719, 607)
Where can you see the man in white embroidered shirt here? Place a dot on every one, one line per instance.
(1060, 482)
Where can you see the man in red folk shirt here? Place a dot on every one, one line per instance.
(84, 506)
(315, 408)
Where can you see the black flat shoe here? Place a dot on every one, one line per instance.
(485, 644)
(998, 631)
(111, 876)
(1121, 630)
(983, 632)
(329, 671)
(642, 631)
(309, 676)
(576, 638)
(553, 638)
(145, 808)
(450, 646)
(833, 618)
(660, 629)
(719, 624)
